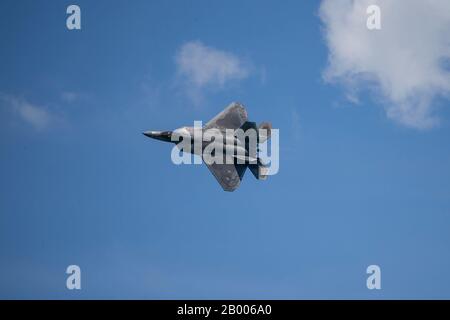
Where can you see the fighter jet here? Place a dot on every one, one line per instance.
(244, 154)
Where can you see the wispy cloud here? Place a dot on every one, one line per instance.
(37, 116)
(404, 61)
(202, 67)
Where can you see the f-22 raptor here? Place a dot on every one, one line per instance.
(243, 153)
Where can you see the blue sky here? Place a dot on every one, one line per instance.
(360, 182)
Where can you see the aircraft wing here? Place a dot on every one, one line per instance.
(228, 175)
(233, 117)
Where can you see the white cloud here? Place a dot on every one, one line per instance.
(201, 67)
(406, 62)
(34, 115)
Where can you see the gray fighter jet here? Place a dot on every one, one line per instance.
(244, 154)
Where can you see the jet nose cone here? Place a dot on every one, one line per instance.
(148, 134)
(158, 135)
